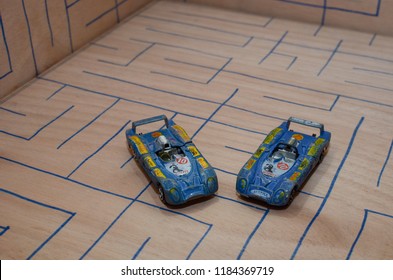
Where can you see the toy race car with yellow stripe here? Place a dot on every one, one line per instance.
(173, 163)
(282, 163)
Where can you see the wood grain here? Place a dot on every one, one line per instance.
(69, 188)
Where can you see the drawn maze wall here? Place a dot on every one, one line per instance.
(69, 188)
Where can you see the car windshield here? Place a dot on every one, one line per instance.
(168, 155)
(285, 152)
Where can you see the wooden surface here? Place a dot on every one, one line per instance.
(373, 16)
(36, 34)
(69, 188)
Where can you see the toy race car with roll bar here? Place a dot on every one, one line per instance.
(282, 163)
(171, 160)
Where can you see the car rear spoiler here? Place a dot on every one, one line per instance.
(149, 120)
(306, 123)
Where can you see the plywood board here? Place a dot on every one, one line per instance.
(69, 188)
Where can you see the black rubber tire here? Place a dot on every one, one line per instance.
(161, 194)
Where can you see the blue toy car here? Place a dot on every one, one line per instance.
(281, 164)
(173, 163)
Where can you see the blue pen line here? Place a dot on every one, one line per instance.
(224, 171)
(215, 112)
(295, 103)
(365, 217)
(56, 92)
(117, 11)
(88, 124)
(373, 71)
(252, 235)
(104, 46)
(240, 202)
(239, 150)
(105, 13)
(330, 58)
(274, 47)
(310, 194)
(99, 149)
(39, 130)
(114, 222)
(148, 87)
(13, 112)
(127, 161)
(69, 22)
(30, 37)
(141, 248)
(49, 23)
(219, 70)
(372, 39)
(65, 178)
(329, 190)
(72, 4)
(221, 19)
(177, 77)
(370, 86)
(6, 49)
(199, 242)
(385, 163)
(195, 25)
(129, 62)
(4, 230)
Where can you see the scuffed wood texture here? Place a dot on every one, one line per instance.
(35, 34)
(69, 189)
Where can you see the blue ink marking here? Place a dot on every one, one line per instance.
(183, 215)
(88, 124)
(196, 26)
(219, 70)
(373, 71)
(330, 58)
(304, 105)
(66, 179)
(240, 202)
(372, 39)
(69, 22)
(239, 150)
(13, 112)
(238, 127)
(366, 212)
(148, 87)
(30, 37)
(274, 47)
(104, 46)
(255, 113)
(324, 6)
(117, 11)
(39, 130)
(317, 31)
(225, 171)
(310, 194)
(294, 58)
(177, 77)
(199, 242)
(370, 86)
(49, 24)
(293, 61)
(4, 230)
(252, 235)
(99, 149)
(72, 4)
(72, 214)
(193, 38)
(129, 62)
(331, 187)
(223, 20)
(141, 248)
(114, 221)
(127, 161)
(215, 112)
(56, 92)
(179, 47)
(115, 8)
(384, 165)
(6, 49)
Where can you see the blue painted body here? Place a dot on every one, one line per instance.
(184, 177)
(282, 163)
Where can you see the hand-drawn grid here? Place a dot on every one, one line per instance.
(220, 81)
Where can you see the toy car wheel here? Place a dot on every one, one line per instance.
(161, 194)
(322, 155)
